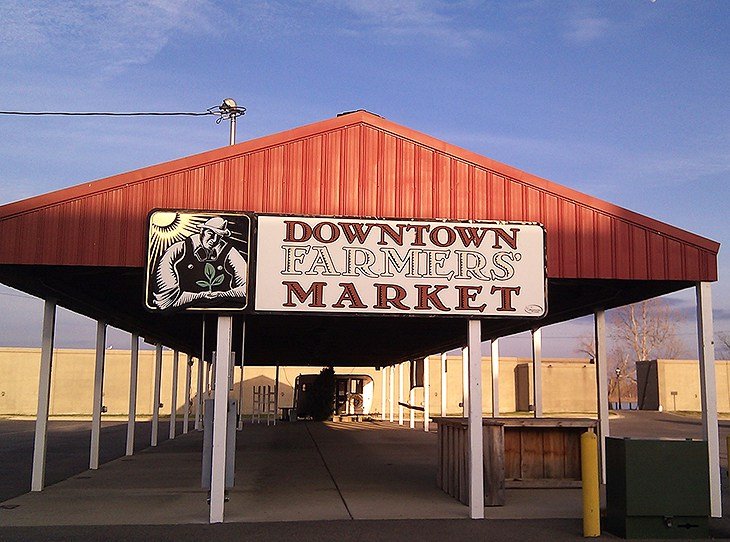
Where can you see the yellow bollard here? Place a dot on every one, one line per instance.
(589, 475)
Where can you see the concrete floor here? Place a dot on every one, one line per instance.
(309, 479)
(288, 472)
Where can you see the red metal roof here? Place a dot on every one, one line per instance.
(357, 164)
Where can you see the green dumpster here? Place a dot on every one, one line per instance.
(657, 488)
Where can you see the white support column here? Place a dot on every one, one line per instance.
(383, 395)
(173, 399)
(133, 370)
(188, 382)
(400, 394)
(444, 384)
(208, 369)
(240, 397)
(243, 375)
(199, 397)
(199, 384)
(495, 377)
(411, 394)
(156, 395)
(476, 451)
(708, 392)
(98, 395)
(220, 420)
(38, 476)
(426, 393)
(537, 371)
(391, 389)
(276, 395)
(465, 380)
(599, 319)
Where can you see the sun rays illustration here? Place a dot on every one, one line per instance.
(169, 227)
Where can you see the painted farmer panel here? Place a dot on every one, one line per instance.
(197, 261)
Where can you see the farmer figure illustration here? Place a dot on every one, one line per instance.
(204, 269)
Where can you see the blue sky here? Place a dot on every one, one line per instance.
(624, 100)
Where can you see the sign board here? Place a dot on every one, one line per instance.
(400, 267)
(197, 261)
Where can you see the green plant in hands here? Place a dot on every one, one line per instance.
(212, 279)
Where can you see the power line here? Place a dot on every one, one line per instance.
(111, 113)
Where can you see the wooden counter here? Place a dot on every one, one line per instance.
(518, 452)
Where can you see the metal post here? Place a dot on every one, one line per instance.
(537, 371)
(38, 476)
(133, 370)
(476, 451)
(444, 384)
(199, 384)
(156, 397)
(495, 377)
(276, 394)
(98, 395)
(188, 381)
(465, 380)
(243, 374)
(173, 399)
(383, 381)
(400, 394)
(426, 393)
(220, 420)
(240, 399)
(708, 392)
(599, 319)
(411, 395)
(391, 389)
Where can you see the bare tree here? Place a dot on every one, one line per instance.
(647, 330)
(723, 344)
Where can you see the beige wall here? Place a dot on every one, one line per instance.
(568, 385)
(683, 377)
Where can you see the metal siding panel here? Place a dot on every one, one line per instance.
(312, 175)
(426, 186)
(480, 194)
(442, 181)
(586, 243)
(369, 173)
(349, 169)
(692, 257)
(657, 260)
(388, 190)
(551, 221)
(514, 207)
(331, 178)
(460, 190)
(622, 249)
(274, 196)
(674, 261)
(406, 165)
(236, 185)
(498, 201)
(639, 253)
(605, 247)
(533, 209)
(569, 239)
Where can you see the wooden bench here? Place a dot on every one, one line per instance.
(518, 453)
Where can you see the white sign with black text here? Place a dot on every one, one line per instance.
(403, 267)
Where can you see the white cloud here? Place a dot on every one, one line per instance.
(104, 35)
(413, 18)
(587, 29)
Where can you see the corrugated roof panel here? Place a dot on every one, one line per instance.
(358, 164)
(568, 231)
(605, 247)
